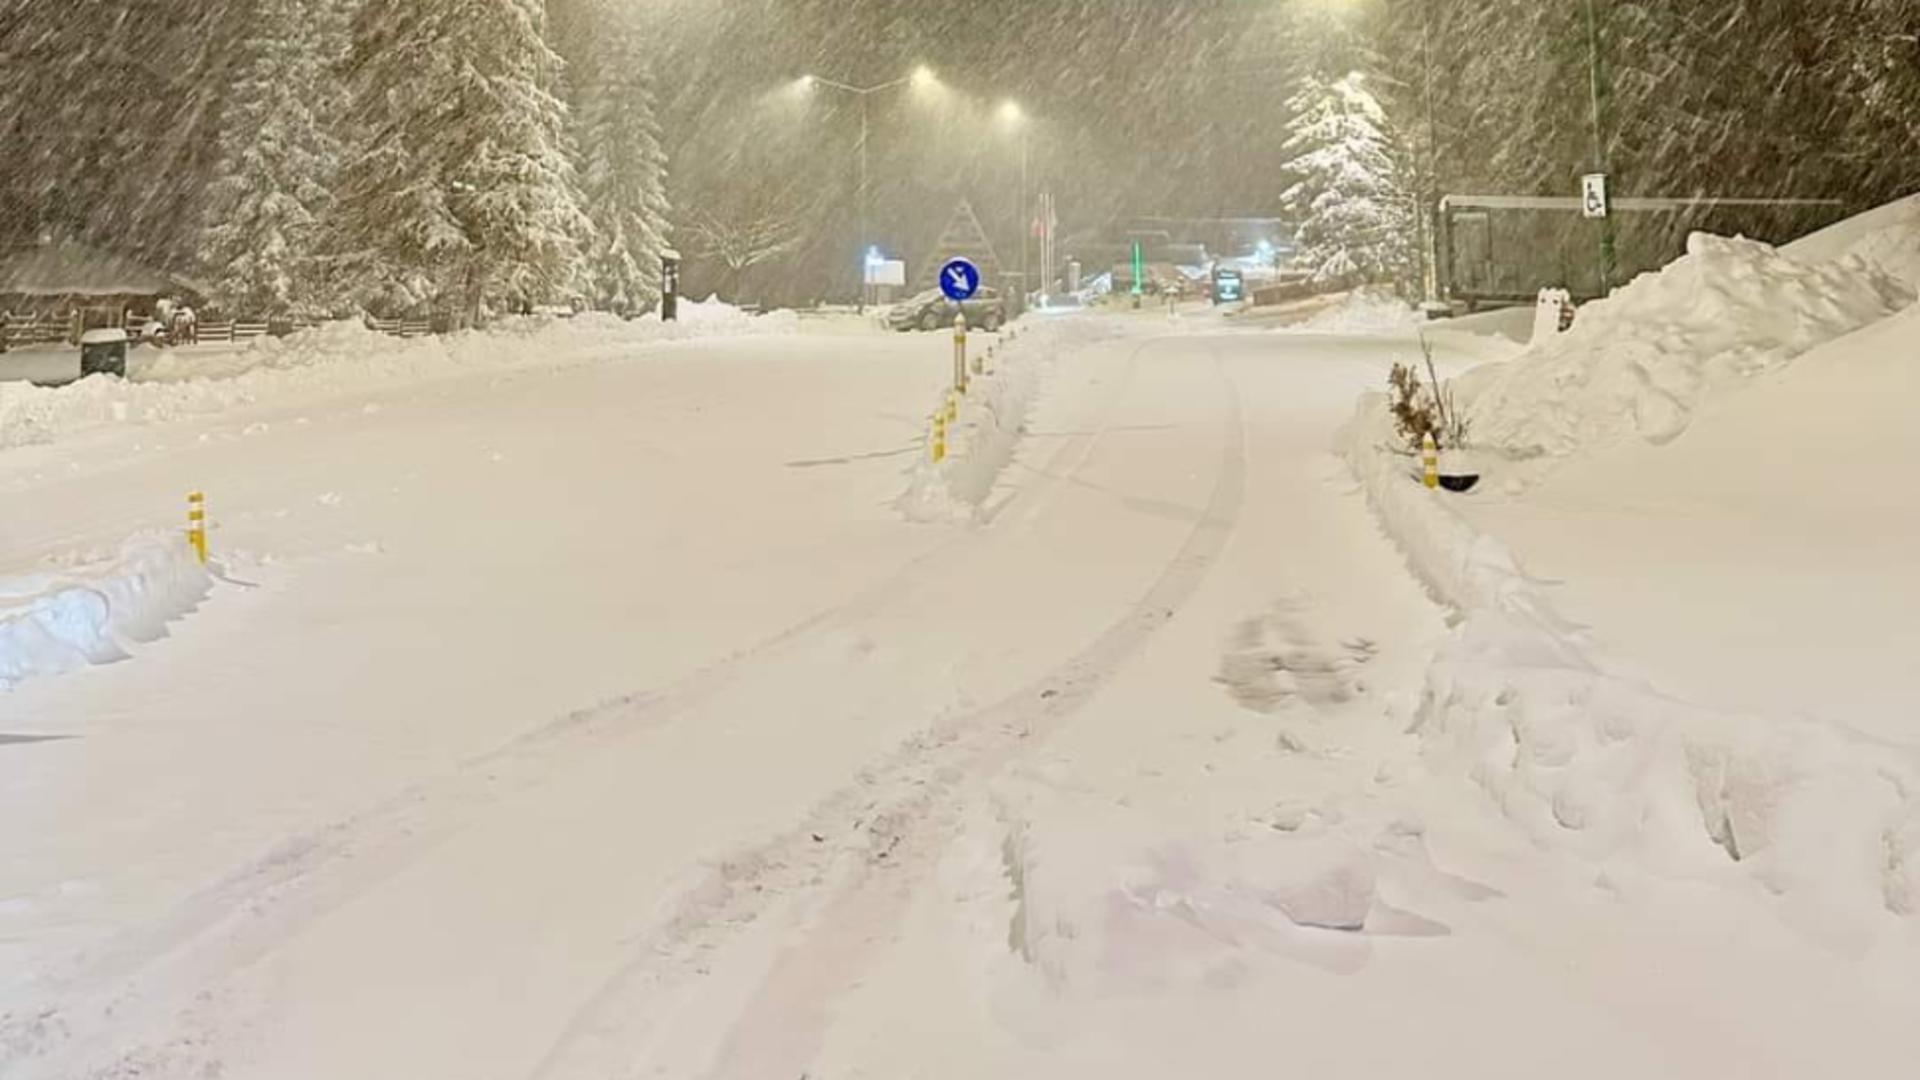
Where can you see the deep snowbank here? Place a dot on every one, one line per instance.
(1780, 530)
(1610, 767)
(1363, 311)
(94, 613)
(339, 358)
(1887, 237)
(1641, 362)
(992, 417)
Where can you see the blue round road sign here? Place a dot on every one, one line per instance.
(959, 280)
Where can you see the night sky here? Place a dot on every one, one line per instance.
(1135, 107)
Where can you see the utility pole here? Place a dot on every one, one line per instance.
(1598, 93)
(1026, 218)
(866, 272)
(1430, 238)
(921, 77)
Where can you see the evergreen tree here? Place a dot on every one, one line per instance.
(460, 191)
(1355, 221)
(623, 174)
(258, 250)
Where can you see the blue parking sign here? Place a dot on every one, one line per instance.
(959, 280)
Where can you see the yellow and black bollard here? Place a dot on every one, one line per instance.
(197, 525)
(939, 445)
(1429, 460)
(960, 352)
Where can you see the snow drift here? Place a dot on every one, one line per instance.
(1639, 363)
(1363, 311)
(1585, 758)
(992, 417)
(1519, 699)
(1601, 763)
(1108, 898)
(94, 613)
(340, 358)
(1887, 237)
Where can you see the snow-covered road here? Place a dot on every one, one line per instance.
(608, 720)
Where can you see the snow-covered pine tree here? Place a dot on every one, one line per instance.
(258, 250)
(460, 191)
(623, 171)
(1355, 222)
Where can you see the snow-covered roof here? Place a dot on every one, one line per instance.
(78, 270)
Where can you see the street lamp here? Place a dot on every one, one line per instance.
(922, 79)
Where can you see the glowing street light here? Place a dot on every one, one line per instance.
(922, 79)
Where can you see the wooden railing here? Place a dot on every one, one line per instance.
(29, 330)
(401, 328)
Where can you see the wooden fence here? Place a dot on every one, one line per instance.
(28, 330)
(401, 328)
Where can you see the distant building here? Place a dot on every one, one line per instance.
(53, 280)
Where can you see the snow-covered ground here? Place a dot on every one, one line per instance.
(1710, 468)
(1686, 579)
(585, 705)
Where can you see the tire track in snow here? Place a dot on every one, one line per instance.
(908, 804)
(144, 981)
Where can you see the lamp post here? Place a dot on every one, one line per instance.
(923, 78)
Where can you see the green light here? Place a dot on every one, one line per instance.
(1139, 269)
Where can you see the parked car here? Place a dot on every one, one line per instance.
(931, 310)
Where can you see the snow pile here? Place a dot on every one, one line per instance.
(1607, 766)
(981, 442)
(1364, 311)
(92, 614)
(340, 358)
(1887, 237)
(1113, 900)
(1639, 363)
(713, 315)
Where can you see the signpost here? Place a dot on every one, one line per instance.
(881, 274)
(1229, 286)
(959, 280)
(1597, 205)
(1593, 195)
(669, 285)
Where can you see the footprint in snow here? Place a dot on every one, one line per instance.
(1276, 659)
